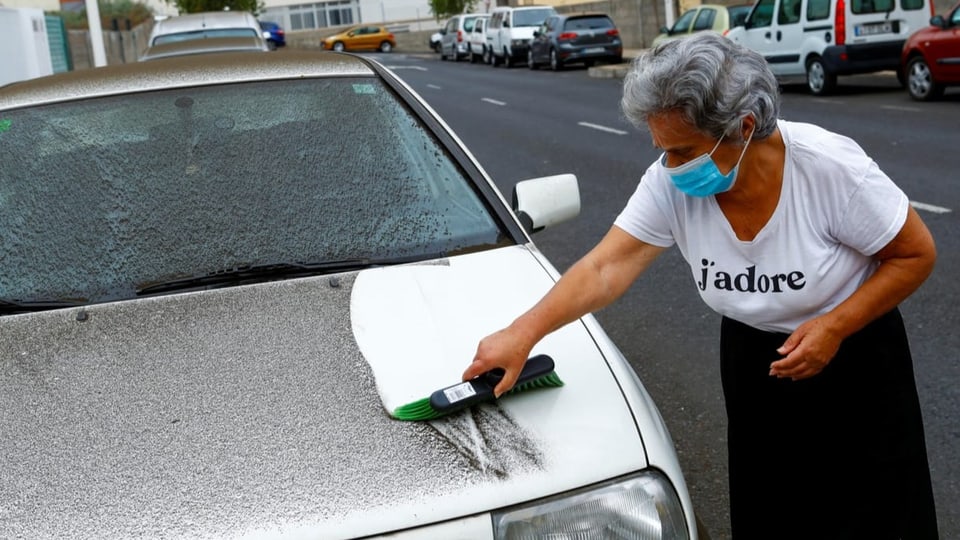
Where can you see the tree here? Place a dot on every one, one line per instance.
(444, 8)
(196, 6)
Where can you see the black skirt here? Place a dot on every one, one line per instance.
(838, 455)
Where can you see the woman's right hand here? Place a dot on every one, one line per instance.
(506, 349)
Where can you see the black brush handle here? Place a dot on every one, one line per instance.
(480, 388)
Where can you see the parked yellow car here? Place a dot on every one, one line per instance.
(375, 38)
(715, 17)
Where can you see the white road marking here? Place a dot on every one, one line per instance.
(930, 207)
(495, 102)
(435, 87)
(603, 128)
(901, 108)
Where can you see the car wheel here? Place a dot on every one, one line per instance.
(272, 45)
(530, 62)
(487, 56)
(920, 82)
(507, 59)
(338, 46)
(436, 47)
(494, 60)
(820, 82)
(472, 55)
(555, 63)
(386, 46)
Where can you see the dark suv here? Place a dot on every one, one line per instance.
(584, 38)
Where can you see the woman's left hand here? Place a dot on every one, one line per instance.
(807, 351)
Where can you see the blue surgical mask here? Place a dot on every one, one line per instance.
(700, 177)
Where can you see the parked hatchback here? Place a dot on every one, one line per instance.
(206, 336)
(360, 38)
(274, 34)
(931, 57)
(584, 38)
(713, 17)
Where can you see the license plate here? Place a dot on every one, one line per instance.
(592, 50)
(873, 29)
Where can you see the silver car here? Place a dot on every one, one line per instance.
(222, 277)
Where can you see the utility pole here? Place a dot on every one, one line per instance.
(96, 33)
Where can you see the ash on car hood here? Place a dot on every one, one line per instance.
(254, 411)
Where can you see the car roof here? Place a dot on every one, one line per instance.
(206, 19)
(204, 46)
(181, 71)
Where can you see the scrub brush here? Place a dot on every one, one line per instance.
(537, 372)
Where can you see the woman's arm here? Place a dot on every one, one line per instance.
(593, 282)
(904, 264)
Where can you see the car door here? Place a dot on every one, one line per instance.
(540, 45)
(773, 29)
(944, 50)
(493, 31)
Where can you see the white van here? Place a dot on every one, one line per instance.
(821, 39)
(510, 30)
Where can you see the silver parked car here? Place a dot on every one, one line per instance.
(206, 336)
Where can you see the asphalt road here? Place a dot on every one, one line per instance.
(522, 124)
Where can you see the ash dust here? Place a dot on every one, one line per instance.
(490, 441)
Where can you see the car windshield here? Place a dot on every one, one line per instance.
(106, 197)
(202, 34)
(531, 17)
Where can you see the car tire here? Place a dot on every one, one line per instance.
(820, 82)
(272, 45)
(386, 47)
(494, 60)
(488, 57)
(555, 63)
(471, 55)
(920, 83)
(507, 59)
(338, 46)
(530, 61)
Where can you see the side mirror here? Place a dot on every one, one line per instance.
(506, 24)
(938, 20)
(546, 201)
(664, 30)
(536, 33)
(443, 31)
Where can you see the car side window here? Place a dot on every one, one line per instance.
(818, 10)
(762, 14)
(955, 18)
(704, 19)
(911, 5)
(871, 6)
(683, 23)
(789, 12)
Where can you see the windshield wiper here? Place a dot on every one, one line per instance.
(268, 272)
(9, 307)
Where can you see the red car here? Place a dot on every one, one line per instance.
(930, 60)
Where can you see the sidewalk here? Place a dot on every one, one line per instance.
(615, 71)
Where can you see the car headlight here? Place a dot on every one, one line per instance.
(644, 507)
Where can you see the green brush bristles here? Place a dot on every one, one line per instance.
(417, 410)
(421, 409)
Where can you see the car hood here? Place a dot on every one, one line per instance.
(261, 410)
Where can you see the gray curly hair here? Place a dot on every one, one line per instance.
(712, 80)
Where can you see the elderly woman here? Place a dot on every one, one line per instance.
(806, 248)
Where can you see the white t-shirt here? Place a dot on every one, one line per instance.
(836, 210)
